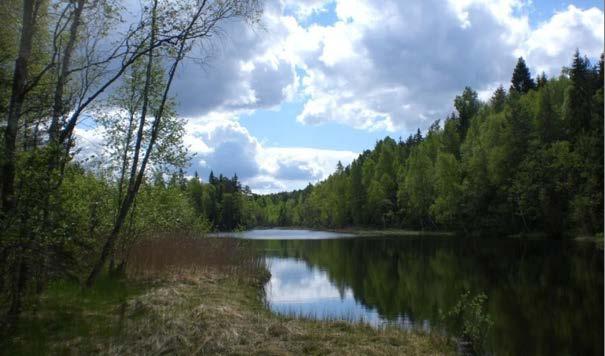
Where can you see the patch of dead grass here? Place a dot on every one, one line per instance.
(214, 311)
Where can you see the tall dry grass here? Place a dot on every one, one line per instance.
(176, 254)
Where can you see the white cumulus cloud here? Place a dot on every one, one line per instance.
(223, 145)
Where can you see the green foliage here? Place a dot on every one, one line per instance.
(448, 189)
(530, 160)
(57, 60)
(469, 320)
(467, 106)
(69, 312)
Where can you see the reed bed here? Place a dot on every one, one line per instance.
(163, 255)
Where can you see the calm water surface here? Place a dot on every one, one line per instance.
(545, 297)
(284, 234)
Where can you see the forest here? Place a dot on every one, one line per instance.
(528, 160)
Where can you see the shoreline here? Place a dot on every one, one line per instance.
(205, 310)
(372, 232)
(236, 320)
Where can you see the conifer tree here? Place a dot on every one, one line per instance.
(578, 97)
(541, 80)
(546, 123)
(521, 81)
(417, 137)
(498, 99)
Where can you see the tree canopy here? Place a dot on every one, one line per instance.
(528, 160)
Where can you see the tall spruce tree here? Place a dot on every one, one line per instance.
(578, 97)
(521, 81)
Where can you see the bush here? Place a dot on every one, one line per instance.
(468, 320)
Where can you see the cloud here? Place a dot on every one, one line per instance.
(553, 42)
(296, 170)
(222, 145)
(266, 185)
(243, 69)
(219, 143)
(382, 65)
(390, 65)
(305, 8)
(89, 143)
(301, 163)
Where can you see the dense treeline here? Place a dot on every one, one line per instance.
(530, 159)
(222, 202)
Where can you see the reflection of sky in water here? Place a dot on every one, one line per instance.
(283, 234)
(296, 289)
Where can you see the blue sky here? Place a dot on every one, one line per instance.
(279, 127)
(322, 80)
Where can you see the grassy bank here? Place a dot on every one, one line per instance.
(181, 304)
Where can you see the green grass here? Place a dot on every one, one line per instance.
(69, 317)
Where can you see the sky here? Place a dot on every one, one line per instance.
(319, 81)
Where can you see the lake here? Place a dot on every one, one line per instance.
(545, 297)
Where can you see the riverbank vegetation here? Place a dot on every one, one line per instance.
(188, 296)
(530, 159)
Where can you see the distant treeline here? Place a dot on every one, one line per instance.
(530, 159)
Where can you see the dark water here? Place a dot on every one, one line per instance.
(545, 297)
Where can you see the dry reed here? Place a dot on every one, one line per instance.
(163, 255)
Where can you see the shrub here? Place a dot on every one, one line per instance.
(469, 321)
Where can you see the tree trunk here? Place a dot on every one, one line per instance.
(16, 296)
(58, 106)
(18, 92)
(134, 182)
(134, 188)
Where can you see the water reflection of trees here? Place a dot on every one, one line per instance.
(545, 297)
